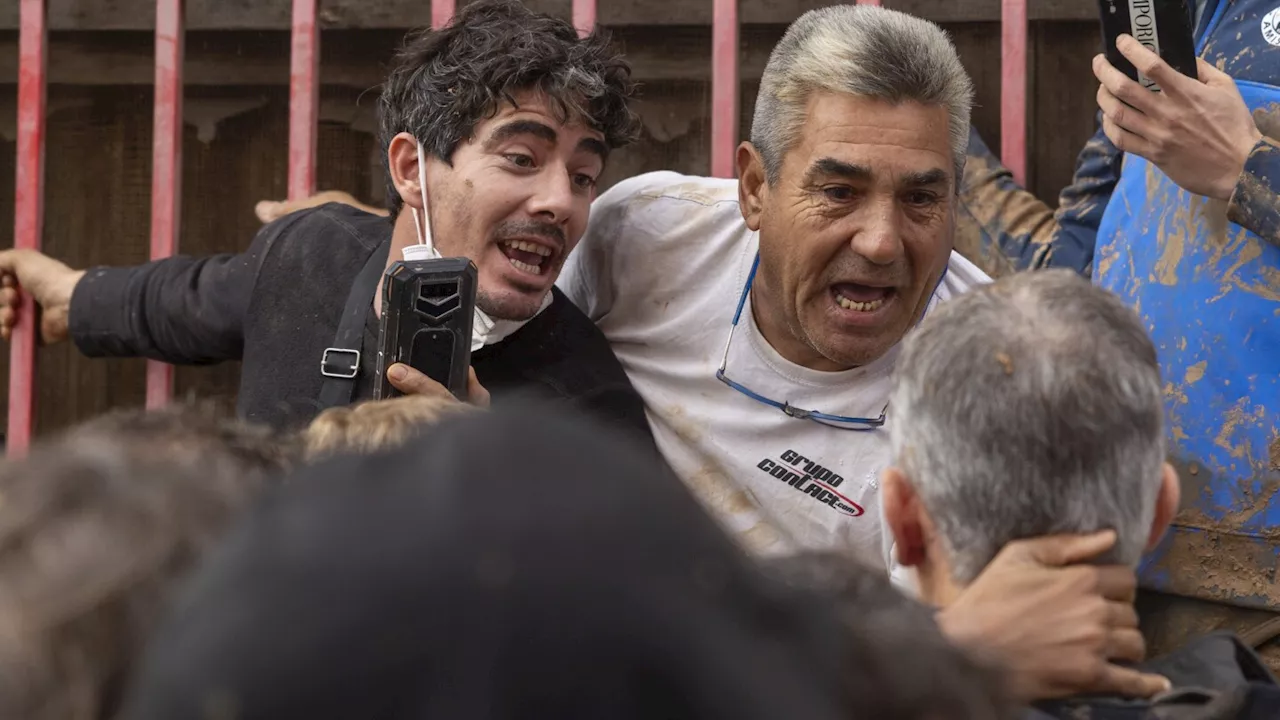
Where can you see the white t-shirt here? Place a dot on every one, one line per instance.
(660, 270)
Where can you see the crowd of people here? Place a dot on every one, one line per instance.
(867, 431)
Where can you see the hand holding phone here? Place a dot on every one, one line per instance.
(412, 382)
(1197, 131)
(1163, 26)
(427, 312)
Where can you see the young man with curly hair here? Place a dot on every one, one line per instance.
(507, 116)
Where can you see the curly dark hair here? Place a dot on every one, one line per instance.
(444, 82)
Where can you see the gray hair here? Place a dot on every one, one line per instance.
(1028, 407)
(861, 50)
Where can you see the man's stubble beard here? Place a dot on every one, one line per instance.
(509, 311)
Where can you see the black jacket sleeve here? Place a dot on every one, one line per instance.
(181, 310)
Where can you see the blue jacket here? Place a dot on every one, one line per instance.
(1205, 278)
(1004, 227)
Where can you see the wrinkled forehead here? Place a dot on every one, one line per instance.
(885, 140)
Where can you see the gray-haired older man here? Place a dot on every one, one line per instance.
(1033, 406)
(760, 319)
(1027, 407)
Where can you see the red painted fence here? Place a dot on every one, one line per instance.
(584, 16)
(304, 101)
(724, 87)
(28, 213)
(1013, 87)
(166, 164)
(441, 12)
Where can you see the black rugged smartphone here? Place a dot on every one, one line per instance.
(1164, 26)
(427, 312)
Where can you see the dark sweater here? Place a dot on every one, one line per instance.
(276, 307)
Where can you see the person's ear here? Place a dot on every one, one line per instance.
(1166, 505)
(752, 184)
(905, 517)
(402, 162)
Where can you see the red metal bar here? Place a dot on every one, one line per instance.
(724, 88)
(584, 16)
(304, 99)
(1013, 87)
(28, 214)
(442, 12)
(166, 164)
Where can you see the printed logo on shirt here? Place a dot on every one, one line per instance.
(808, 477)
(1271, 27)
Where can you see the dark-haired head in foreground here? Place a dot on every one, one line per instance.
(897, 646)
(96, 525)
(568, 576)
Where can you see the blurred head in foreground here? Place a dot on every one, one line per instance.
(570, 575)
(96, 525)
(375, 425)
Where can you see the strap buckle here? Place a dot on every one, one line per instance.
(340, 363)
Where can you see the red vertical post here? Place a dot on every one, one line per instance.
(1013, 87)
(442, 12)
(28, 214)
(724, 87)
(304, 99)
(584, 16)
(166, 164)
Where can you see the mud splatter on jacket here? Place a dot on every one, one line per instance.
(1205, 277)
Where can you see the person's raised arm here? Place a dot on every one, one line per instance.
(1199, 132)
(1082, 203)
(272, 210)
(1255, 201)
(181, 310)
(1004, 228)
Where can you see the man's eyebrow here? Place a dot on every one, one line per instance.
(503, 133)
(839, 168)
(592, 145)
(936, 176)
(542, 131)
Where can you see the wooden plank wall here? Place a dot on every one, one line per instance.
(99, 141)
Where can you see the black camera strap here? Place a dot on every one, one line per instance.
(340, 364)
